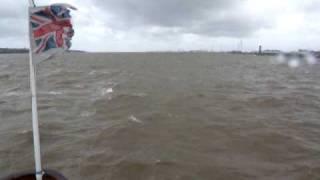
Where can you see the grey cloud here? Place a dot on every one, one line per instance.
(204, 17)
(13, 22)
(232, 25)
(164, 12)
(13, 28)
(312, 6)
(13, 9)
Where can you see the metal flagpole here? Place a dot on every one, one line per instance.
(35, 123)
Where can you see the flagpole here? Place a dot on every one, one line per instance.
(35, 122)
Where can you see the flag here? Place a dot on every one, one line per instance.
(51, 29)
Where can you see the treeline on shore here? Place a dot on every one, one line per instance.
(24, 50)
(13, 50)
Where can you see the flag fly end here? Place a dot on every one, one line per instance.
(65, 5)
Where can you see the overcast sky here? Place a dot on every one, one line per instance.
(151, 25)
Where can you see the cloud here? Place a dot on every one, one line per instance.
(13, 27)
(142, 25)
(311, 6)
(163, 13)
(206, 17)
(13, 9)
(230, 26)
(13, 22)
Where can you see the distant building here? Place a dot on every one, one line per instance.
(269, 52)
(305, 51)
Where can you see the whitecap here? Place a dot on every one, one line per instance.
(55, 93)
(311, 60)
(294, 63)
(87, 114)
(139, 94)
(92, 72)
(16, 94)
(280, 59)
(25, 131)
(106, 91)
(134, 119)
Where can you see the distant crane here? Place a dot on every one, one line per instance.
(240, 46)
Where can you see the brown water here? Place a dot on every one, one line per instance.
(163, 116)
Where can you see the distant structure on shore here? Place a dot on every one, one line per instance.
(268, 52)
(301, 53)
(260, 49)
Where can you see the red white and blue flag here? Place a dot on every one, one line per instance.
(51, 28)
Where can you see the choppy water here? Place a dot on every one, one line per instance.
(163, 116)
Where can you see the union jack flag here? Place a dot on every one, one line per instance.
(50, 28)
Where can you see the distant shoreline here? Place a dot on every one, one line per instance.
(22, 51)
(264, 53)
(13, 50)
